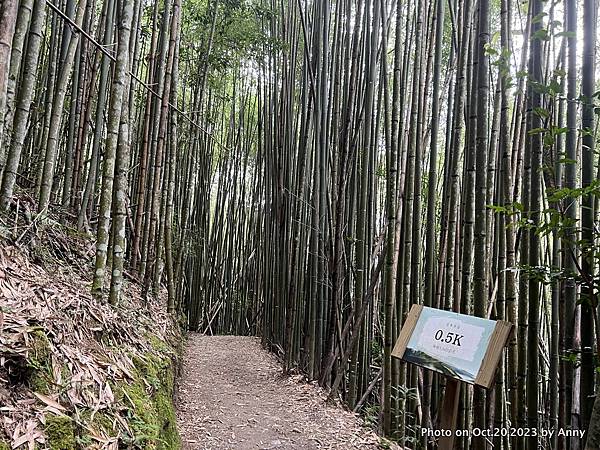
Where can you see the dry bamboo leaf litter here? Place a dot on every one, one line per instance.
(48, 317)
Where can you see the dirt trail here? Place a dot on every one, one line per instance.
(232, 396)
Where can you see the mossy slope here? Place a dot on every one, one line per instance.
(88, 375)
(150, 398)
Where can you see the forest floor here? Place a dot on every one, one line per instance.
(76, 372)
(232, 395)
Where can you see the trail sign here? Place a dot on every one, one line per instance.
(462, 347)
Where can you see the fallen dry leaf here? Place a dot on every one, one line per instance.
(48, 401)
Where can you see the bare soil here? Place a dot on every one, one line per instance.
(232, 395)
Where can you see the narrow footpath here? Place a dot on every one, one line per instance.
(232, 395)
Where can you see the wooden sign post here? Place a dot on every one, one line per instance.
(449, 413)
(462, 347)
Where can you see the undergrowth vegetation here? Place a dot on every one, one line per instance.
(77, 372)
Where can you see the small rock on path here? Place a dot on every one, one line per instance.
(232, 395)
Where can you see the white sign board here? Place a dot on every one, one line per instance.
(463, 347)
(450, 337)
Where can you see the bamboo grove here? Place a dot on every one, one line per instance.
(305, 171)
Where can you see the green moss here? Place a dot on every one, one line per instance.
(149, 398)
(166, 413)
(98, 421)
(4, 445)
(38, 382)
(39, 361)
(158, 344)
(90, 423)
(60, 433)
(84, 441)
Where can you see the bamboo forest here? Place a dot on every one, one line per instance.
(303, 172)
